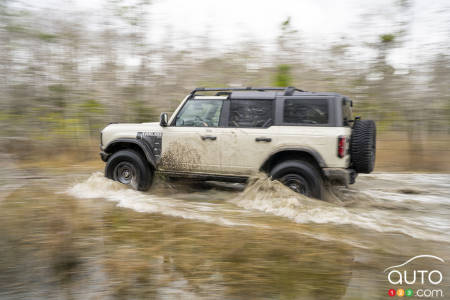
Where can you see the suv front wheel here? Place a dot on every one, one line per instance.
(300, 176)
(130, 168)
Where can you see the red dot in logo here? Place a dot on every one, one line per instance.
(391, 292)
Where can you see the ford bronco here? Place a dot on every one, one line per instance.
(302, 139)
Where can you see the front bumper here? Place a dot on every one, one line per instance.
(340, 176)
(104, 156)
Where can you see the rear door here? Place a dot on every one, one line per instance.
(190, 143)
(248, 136)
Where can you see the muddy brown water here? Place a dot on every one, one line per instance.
(70, 233)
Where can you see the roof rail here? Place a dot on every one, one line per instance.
(288, 91)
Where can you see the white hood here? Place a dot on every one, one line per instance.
(127, 130)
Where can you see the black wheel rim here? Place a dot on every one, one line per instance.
(125, 173)
(296, 183)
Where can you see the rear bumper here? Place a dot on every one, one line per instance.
(340, 176)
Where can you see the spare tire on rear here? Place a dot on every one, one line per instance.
(363, 146)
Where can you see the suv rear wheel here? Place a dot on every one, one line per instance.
(130, 168)
(300, 176)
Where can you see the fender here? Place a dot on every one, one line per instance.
(139, 142)
(316, 155)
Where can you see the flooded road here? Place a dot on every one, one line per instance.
(73, 234)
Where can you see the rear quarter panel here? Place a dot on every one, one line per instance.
(322, 140)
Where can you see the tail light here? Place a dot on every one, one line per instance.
(341, 147)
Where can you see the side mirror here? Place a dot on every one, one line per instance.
(163, 119)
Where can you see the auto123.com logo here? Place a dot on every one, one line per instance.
(404, 278)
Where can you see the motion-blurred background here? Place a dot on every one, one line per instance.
(67, 68)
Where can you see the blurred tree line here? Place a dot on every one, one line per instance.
(66, 74)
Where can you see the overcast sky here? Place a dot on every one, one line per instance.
(321, 22)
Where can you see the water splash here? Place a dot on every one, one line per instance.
(97, 186)
(344, 207)
(364, 207)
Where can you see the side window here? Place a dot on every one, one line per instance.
(305, 111)
(251, 113)
(346, 112)
(200, 113)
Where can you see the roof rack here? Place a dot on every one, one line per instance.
(288, 91)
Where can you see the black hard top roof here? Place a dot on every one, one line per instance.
(262, 93)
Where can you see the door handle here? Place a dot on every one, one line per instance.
(263, 139)
(209, 137)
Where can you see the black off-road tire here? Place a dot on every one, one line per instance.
(129, 162)
(363, 146)
(300, 176)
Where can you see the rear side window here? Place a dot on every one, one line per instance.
(251, 113)
(305, 111)
(346, 111)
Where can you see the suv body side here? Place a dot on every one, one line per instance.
(241, 151)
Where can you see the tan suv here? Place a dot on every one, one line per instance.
(299, 138)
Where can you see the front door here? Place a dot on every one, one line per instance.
(190, 143)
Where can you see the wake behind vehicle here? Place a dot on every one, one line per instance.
(300, 138)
